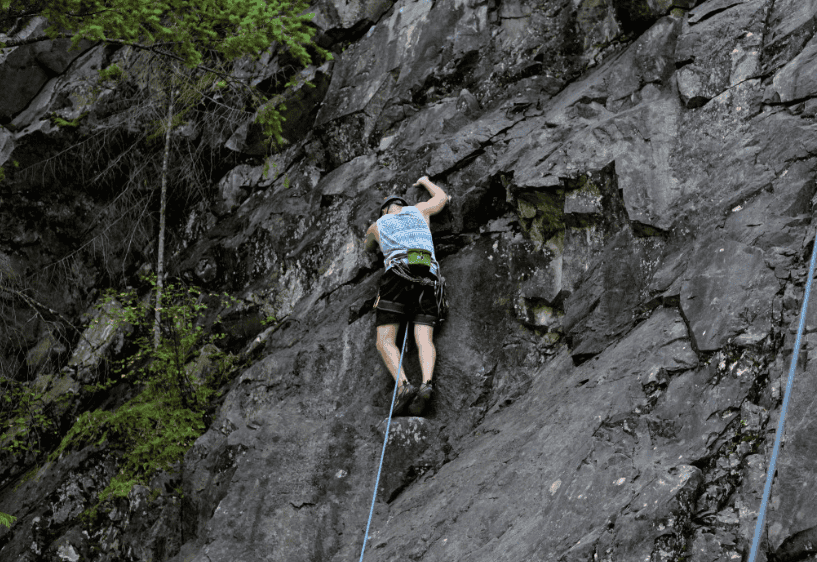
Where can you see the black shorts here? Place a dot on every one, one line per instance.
(400, 299)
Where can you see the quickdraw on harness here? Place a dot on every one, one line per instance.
(404, 265)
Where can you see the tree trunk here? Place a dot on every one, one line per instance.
(160, 267)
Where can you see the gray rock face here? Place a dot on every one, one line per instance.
(26, 69)
(790, 26)
(725, 270)
(719, 48)
(587, 473)
(409, 438)
(632, 187)
(795, 81)
(792, 526)
(6, 144)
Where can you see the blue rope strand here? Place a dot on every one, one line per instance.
(779, 434)
(385, 441)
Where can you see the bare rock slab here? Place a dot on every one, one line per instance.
(719, 48)
(728, 294)
(409, 437)
(798, 79)
(792, 520)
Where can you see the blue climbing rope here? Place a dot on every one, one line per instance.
(779, 434)
(385, 441)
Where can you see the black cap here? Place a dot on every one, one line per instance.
(392, 199)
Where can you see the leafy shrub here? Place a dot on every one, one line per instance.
(24, 423)
(65, 123)
(113, 72)
(156, 427)
(6, 519)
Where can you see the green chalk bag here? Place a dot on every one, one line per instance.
(418, 256)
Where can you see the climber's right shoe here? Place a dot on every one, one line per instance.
(405, 394)
(422, 398)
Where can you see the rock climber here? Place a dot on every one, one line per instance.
(409, 288)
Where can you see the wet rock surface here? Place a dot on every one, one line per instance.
(632, 206)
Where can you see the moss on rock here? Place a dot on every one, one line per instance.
(541, 213)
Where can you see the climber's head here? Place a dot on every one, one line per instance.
(392, 204)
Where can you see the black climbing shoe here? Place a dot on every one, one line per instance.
(404, 395)
(420, 401)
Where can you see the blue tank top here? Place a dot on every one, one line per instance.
(407, 229)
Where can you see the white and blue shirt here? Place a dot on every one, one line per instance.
(404, 230)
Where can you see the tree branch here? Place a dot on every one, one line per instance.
(36, 306)
(156, 49)
(8, 43)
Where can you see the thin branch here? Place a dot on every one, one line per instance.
(8, 43)
(91, 242)
(36, 306)
(65, 151)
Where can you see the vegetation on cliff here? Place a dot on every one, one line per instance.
(177, 58)
(156, 427)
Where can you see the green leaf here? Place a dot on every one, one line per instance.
(7, 520)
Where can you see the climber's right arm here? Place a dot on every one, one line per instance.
(438, 198)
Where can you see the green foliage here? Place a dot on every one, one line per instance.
(274, 167)
(187, 29)
(24, 422)
(113, 72)
(200, 34)
(154, 434)
(268, 167)
(72, 124)
(157, 427)
(182, 335)
(7, 520)
(270, 119)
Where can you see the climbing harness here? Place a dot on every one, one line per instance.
(385, 441)
(407, 272)
(779, 434)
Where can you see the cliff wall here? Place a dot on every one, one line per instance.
(625, 251)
